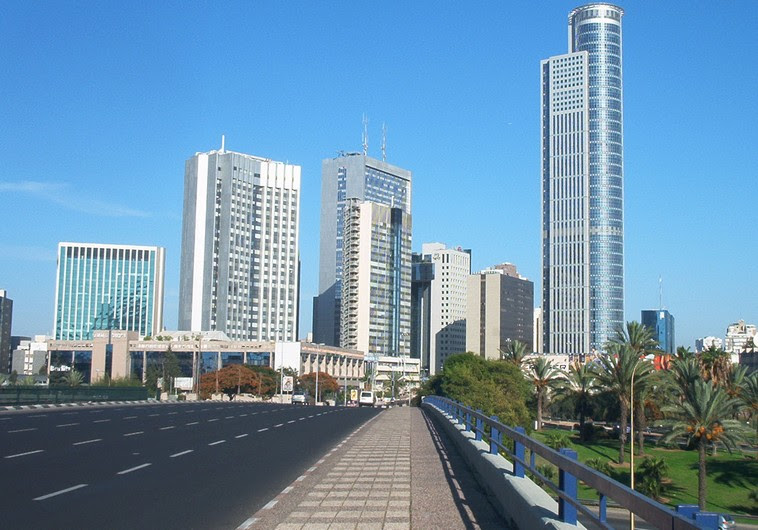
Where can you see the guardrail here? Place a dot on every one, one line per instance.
(490, 429)
(33, 395)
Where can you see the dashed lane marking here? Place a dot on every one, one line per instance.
(135, 468)
(129, 417)
(192, 423)
(278, 425)
(100, 421)
(182, 453)
(88, 441)
(212, 419)
(134, 433)
(264, 429)
(60, 492)
(24, 454)
(217, 442)
(167, 428)
(23, 430)
(240, 435)
(66, 424)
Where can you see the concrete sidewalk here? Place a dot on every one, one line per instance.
(395, 472)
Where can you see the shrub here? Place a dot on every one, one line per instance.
(599, 464)
(557, 439)
(653, 471)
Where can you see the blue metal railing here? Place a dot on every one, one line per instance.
(569, 470)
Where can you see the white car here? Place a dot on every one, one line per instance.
(366, 399)
(299, 398)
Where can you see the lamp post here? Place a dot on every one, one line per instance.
(631, 439)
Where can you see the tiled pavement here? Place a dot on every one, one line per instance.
(395, 472)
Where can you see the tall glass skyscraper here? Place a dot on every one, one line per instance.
(583, 184)
(102, 287)
(240, 246)
(360, 177)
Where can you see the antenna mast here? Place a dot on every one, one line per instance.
(660, 292)
(384, 142)
(365, 135)
(222, 143)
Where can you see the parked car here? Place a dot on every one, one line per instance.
(726, 522)
(300, 397)
(366, 399)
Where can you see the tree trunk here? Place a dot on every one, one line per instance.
(639, 416)
(539, 410)
(701, 475)
(622, 434)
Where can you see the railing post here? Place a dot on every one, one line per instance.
(519, 452)
(532, 459)
(479, 427)
(603, 505)
(494, 438)
(468, 421)
(567, 484)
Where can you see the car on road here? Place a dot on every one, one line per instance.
(300, 397)
(366, 399)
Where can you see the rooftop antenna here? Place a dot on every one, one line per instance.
(384, 142)
(660, 292)
(222, 143)
(365, 135)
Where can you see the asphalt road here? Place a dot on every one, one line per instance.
(184, 465)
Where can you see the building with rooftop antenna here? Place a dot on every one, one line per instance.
(240, 246)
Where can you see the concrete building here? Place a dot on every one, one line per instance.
(30, 355)
(500, 309)
(240, 246)
(397, 376)
(6, 321)
(582, 184)
(358, 177)
(376, 279)
(439, 304)
(122, 354)
(707, 342)
(661, 323)
(108, 287)
(740, 337)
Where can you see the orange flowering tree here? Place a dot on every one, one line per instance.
(231, 380)
(704, 417)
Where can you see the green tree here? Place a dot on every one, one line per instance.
(557, 439)
(614, 372)
(543, 375)
(703, 416)
(653, 472)
(326, 384)
(715, 365)
(268, 380)
(514, 351)
(748, 396)
(580, 385)
(169, 369)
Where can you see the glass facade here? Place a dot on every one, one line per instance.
(108, 287)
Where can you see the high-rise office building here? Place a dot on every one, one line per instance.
(102, 287)
(376, 278)
(438, 307)
(582, 185)
(705, 343)
(240, 246)
(358, 176)
(661, 323)
(500, 308)
(6, 321)
(740, 336)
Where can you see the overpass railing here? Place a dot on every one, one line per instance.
(514, 442)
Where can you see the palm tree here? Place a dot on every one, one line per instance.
(514, 352)
(543, 374)
(580, 384)
(614, 372)
(748, 396)
(74, 377)
(714, 365)
(638, 338)
(683, 353)
(703, 416)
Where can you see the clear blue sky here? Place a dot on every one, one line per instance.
(102, 102)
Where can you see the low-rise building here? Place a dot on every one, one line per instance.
(30, 356)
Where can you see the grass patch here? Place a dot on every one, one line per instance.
(731, 477)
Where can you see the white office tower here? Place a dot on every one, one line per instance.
(439, 304)
(705, 343)
(376, 279)
(739, 337)
(583, 185)
(240, 246)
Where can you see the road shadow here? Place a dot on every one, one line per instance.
(471, 501)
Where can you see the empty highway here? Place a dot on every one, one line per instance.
(183, 465)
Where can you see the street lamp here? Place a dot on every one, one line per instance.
(631, 439)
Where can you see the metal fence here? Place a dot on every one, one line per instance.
(41, 395)
(514, 442)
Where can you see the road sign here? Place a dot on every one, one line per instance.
(353, 394)
(287, 384)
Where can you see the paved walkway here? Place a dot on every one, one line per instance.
(395, 472)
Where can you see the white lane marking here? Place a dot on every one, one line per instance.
(192, 423)
(170, 413)
(287, 489)
(228, 417)
(243, 415)
(69, 413)
(134, 433)
(66, 424)
(240, 435)
(247, 523)
(24, 430)
(253, 414)
(264, 429)
(88, 441)
(300, 478)
(213, 419)
(95, 411)
(151, 415)
(100, 421)
(270, 505)
(167, 428)
(310, 416)
(300, 419)
(24, 454)
(130, 417)
(217, 442)
(321, 461)
(38, 416)
(312, 469)
(182, 453)
(135, 468)
(60, 492)
(4, 419)
(291, 421)
(278, 425)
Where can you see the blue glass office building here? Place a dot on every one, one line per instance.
(661, 323)
(102, 287)
(582, 185)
